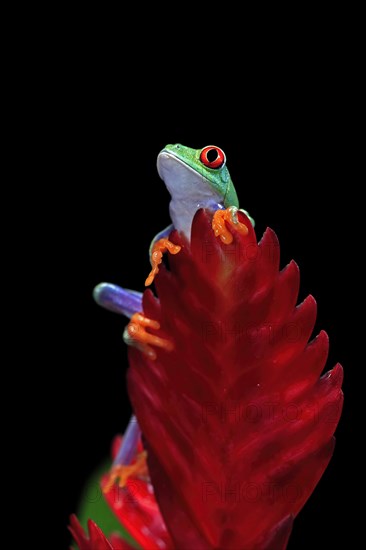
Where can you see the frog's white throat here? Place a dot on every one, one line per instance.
(189, 190)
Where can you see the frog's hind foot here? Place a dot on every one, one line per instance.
(120, 473)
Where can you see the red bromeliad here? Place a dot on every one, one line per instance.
(237, 423)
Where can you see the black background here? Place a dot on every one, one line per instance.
(290, 151)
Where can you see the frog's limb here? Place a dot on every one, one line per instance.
(129, 303)
(157, 250)
(128, 448)
(120, 300)
(136, 335)
(230, 217)
(122, 468)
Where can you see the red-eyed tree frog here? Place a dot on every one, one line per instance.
(195, 178)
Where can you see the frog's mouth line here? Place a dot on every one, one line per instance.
(169, 155)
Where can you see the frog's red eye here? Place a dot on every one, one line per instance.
(212, 157)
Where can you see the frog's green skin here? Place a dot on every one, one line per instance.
(192, 185)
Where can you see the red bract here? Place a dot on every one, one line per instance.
(136, 508)
(238, 425)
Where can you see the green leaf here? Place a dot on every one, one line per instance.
(93, 506)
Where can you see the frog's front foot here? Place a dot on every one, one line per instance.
(229, 216)
(121, 473)
(157, 252)
(136, 335)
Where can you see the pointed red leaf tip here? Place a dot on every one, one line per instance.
(237, 423)
(95, 541)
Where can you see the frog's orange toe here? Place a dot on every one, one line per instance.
(136, 330)
(230, 217)
(158, 250)
(121, 473)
